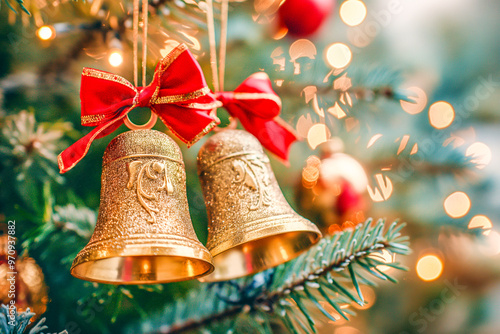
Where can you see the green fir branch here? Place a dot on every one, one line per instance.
(12, 322)
(330, 273)
(20, 3)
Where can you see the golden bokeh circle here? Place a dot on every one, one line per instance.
(353, 12)
(115, 58)
(45, 33)
(457, 204)
(338, 55)
(441, 114)
(429, 267)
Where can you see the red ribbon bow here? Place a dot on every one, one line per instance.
(257, 107)
(178, 94)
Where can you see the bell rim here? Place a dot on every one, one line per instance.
(298, 224)
(138, 282)
(289, 223)
(169, 246)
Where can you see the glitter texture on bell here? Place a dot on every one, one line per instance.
(251, 226)
(144, 232)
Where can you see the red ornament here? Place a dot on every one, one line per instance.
(332, 192)
(349, 199)
(303, 18)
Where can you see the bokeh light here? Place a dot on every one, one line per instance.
(384, 256)
(317, 134)
(480, 221)
(278, 58)
(310, 175)
(414, 149)
(403, 143)
(280, 33)
(333, 312)
(480, 153)
(369, 297)
(338, 55)
(45, 33)
(342, 83)
(429, 267)
(337, 111)
(373, 140)
(303, 125)
(457, 204)
(347, 330)
(353, 12)
(301, 48)
(420, 101)
(340, 167)
(491, 245)
(115, 58)
(384, 189)
(441, 114)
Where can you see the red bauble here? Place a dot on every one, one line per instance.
(332, 192)
(349, 198)
(303, 18)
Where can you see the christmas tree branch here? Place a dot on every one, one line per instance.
(328, 274)
(20, 3)
(12, 322)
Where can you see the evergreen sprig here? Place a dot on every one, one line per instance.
(330, 273)
(20, 3)
(12, 322)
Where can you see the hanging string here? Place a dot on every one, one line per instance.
(145, 5)
(223, 42)
(218, 75)
(211, 40)
(135, 28)
(135, 32)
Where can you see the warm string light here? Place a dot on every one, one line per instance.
(384, 256)
(115, 58)
(417, 103)
(480, 221)
(429, 267)
(457, 204)
(382, 190)
(46, 33)
(317, 134)
(441, 114)
(338, 55)
(480, 154)
(353, 12)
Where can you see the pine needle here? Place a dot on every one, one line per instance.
(286, 294)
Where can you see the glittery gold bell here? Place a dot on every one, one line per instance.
(251, 227)
(144, 232)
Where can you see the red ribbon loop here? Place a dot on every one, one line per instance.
(257, 107)
(178, 93)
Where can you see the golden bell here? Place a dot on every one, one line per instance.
(144, 232)
(251, 227)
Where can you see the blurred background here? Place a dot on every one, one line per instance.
(398, 105)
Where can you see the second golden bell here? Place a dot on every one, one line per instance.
(251, 225)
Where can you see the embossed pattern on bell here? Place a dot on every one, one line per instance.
(251, 225)
(144, 232)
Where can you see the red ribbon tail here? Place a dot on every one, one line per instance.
(73, 154)
(276, 136)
